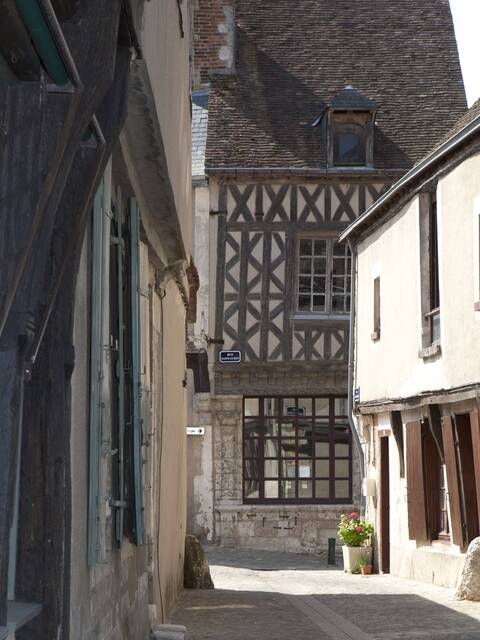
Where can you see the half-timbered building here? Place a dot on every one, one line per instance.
(314, 109)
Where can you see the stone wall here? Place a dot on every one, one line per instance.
(297, 528)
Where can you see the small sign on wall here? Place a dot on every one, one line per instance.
(230, 356)
(356, 394)
(195, 431)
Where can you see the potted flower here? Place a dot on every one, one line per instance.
(356, 534)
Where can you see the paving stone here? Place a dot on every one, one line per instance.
(265, 595)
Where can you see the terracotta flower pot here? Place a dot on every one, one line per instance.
(366, 570)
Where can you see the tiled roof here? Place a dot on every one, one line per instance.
(199, 131)
(293, 58)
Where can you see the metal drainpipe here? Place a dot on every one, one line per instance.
(43, 41)
(350, 368)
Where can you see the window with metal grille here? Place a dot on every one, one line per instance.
(323, 285)
(296, 450)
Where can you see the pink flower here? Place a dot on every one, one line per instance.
(358, 529)
(353, 515)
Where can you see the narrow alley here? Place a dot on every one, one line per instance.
(277, 596)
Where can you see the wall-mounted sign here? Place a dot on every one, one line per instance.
(195, 431)
(292, 411)
(230, 356)
(356, 394)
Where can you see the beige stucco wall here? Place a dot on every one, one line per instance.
(391, 367)
(161, 42)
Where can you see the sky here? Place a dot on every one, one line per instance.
(466, 16)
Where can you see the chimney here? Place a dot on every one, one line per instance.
(214, 39)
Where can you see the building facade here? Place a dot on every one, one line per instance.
(96, 226)
(416, 359)
(301, 139)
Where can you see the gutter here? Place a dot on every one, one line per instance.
(351, 423)
(443, 151)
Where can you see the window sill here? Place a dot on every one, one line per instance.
(430, 352)
(375, 336)
(315, 317)
(18, 615)
(476, 306)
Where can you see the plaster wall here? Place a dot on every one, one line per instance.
(162, 41)
(391, 366)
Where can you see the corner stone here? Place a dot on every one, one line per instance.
(469, 584)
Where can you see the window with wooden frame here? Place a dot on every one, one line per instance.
(349, 138)
(296, 450)
(434, 313)
(376, 309)
(323, 276)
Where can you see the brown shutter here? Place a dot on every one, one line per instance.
(417, 517)
(475, 424)
(452, 480)
(467, 466)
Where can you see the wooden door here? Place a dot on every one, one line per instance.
(384, 540)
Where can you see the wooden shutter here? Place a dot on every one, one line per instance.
(397, 430)
(452, 480)
(96, 375)
(475, 425)
(135, 373)
(417, 515)
(467, 477)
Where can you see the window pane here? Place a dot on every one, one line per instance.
(322, 468)
(288, 406)
(306, 247)
(251, 469)
(304, 302)
(305, 449)
(322, 406)
(320, 247)
(271, 427)
(271, 488)
(251, 489)
(322, 488)
(305, 489)
(288, 429)
(322, 449)
(342, 468)
(349, 146)
(318, 303)
(251, 448)
(289, 469)
(270, 448)
(251, 406)
(271, 469)
(342, 433)
(287, 449)
(305, 406)
(304, 429)
(341, 406)
(342, 489)
(305, 284)
(251, 428)
(271, 406)
(306, 266)
(305, 469)
(319, 284)
(319, 266)
(287, 488)
(341, 449)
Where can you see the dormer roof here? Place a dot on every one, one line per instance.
(349, 99)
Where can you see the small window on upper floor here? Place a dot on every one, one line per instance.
(351, 122)
(348, 143)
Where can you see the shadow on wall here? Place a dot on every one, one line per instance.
(215, 615)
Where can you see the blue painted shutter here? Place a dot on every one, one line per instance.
(136, 382)
(95, 432)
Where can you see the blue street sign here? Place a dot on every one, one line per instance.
(230, 356)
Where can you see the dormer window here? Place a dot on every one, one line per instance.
(348, 142)
(351, 120)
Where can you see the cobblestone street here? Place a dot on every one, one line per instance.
(274, 596)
